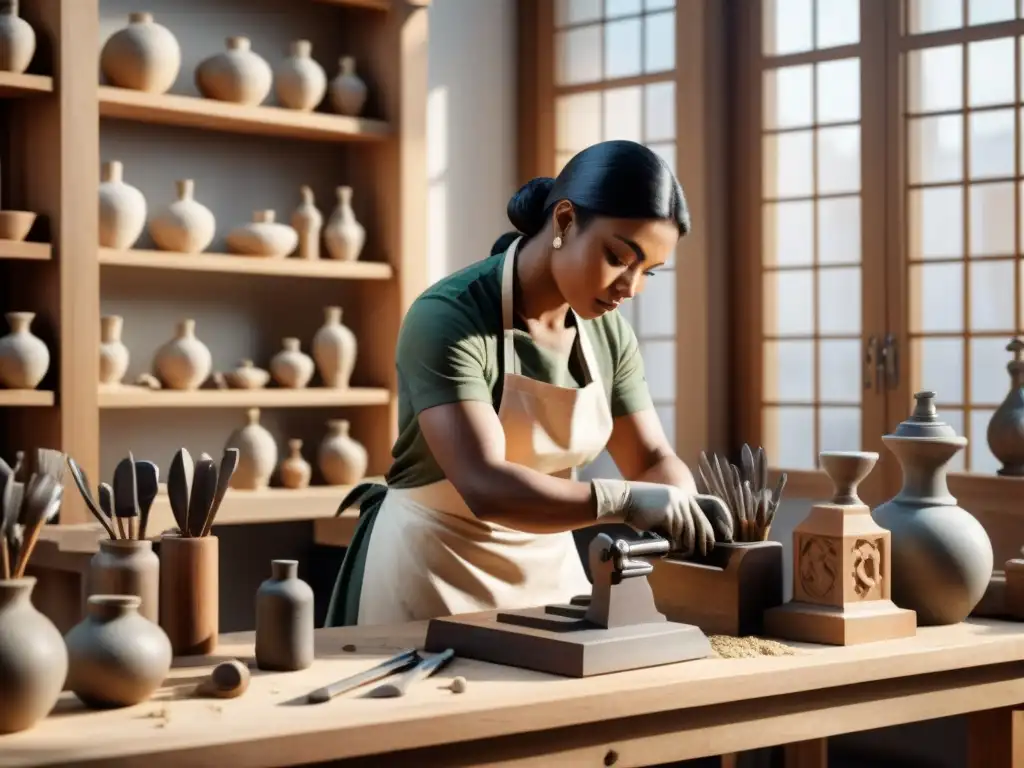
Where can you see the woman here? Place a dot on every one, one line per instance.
(512, 373)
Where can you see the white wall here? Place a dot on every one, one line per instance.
(471, 129)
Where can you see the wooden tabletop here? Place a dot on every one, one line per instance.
(267, 727)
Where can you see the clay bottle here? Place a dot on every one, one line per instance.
(122, 208)
(257, 454)
(344, 235)
(348, 91)
(284, 620)
(17, 39)
(143, 56)
(114, 355)
(300, 82)
(238, 74)
(308, 222)
(184, 362)
(186, 225)
(341, 459)
(291, 367)
(294, 470)
(334, 350)
(24, 358)
(1006, 428)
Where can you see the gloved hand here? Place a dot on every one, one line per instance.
(661, 509)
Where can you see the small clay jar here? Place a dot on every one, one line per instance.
(263, 236)
(238, 74)
(308, 222)
(294, 470)
(114, 355)
(300, 82)
(341, 459)
(33, 659)
(122, 208)
(247, 376)
(334, 350)
(17, 39)
(184, 226)
(184, 362)
(24, 358)
(143, 56)
(257, 454)
(284, 620)
(343, 234)
(127, 567)
(348, 91)
(116, 658)
(291, 367)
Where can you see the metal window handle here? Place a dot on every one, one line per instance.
(872, 364)
(891, 361)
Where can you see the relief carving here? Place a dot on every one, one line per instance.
(818, 566)
(867, 565)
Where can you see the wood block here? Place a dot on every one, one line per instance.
(851, 624)
(725, 593)
(559, 641)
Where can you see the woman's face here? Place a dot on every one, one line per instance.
(609, 260)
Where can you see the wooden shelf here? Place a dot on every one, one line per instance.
(24, 85)
(313, 397)
(17, 249)
(326, 269)
(373, 5)
(195, 112)
(32, 397)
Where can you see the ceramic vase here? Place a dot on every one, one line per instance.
(1006, 428)
(127, 567)
(308, 222)
(291, 367)
(17, 39)
(114, 355)
(263, 236)
(238, 74)
(348, 91)
(247, 376)
(116, 658)
(334, 350)
(284, 620)
(294, 471)
(186, 225)
(300, 82)
(344, 235)
(941, 555)
(190, 593)
(257, 454)
(143, 56)
(341, 459)
(33, 658)
(184, 362)
(24, 358)
(122, 208)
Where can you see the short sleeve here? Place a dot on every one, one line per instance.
(441, 355)
(629, 384)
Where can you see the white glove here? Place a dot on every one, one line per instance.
(662, 509)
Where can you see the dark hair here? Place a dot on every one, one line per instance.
(618, 179)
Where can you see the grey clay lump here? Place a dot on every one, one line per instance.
(941, 555)
(284, 620)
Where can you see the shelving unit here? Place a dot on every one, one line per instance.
(65, 122)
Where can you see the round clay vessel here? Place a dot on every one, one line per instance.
(122, 208)
(184, 362)
(17, 39)
(1006, 428)
(308, 222)
(116, 657)
(291, 367)
(257, 454)
(186, 225)
(127, 567)
(284, 620)
(941, 555)
(247, 376)
(300, 82)
(24, 358)
(334, 350)
(341, 459)
(348, 91)
(143, 56)
(344, 235)
(238, 74)
(15, 225)
(263, 237)
(114, 355)
(295, 471)
(33, 659)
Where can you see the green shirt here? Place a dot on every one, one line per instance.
(449, 350)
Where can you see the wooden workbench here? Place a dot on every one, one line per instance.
(513, 717)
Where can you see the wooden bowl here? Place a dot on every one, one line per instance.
(15, 225)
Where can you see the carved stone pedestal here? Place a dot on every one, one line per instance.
(841, 569)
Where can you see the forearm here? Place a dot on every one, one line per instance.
(526, 500)
(670, 470)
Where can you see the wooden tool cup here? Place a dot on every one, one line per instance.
(189, 593)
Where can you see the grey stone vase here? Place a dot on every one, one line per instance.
(284, 620)
(941, 555)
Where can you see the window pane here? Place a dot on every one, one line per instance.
(839, 370)
(990, 381)
(622, 113)
(992, 296)
(788, 171)
(936, 149)
(839, 429)
(788, 234)
(576, 11)
(992, 220)
(935, 217)
(939, 364)
(936, 298)
(934, 15)
(992, 143)
(839, 91)
(839, 159)
(838, 23)
(935, 79)
(788, 303)
(988, 63)
(788, 97)
(660, 112)
(577, 121)
(578, 55)
(839, 230)
(789, 437)
(656, 306)
(614, 8)
(788, 26)
(789, 371)
(990, 11)
(839, 307)
(660, 42)
(622, 48)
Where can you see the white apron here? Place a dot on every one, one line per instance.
(429, 556)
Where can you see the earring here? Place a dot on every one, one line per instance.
(557, 242)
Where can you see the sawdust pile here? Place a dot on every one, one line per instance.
(728, 647)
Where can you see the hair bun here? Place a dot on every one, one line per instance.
(526, 208)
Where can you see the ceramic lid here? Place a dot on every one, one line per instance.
(924, 421)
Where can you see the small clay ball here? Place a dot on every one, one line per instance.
(458, 684)
(349, 648)
(230, 675)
